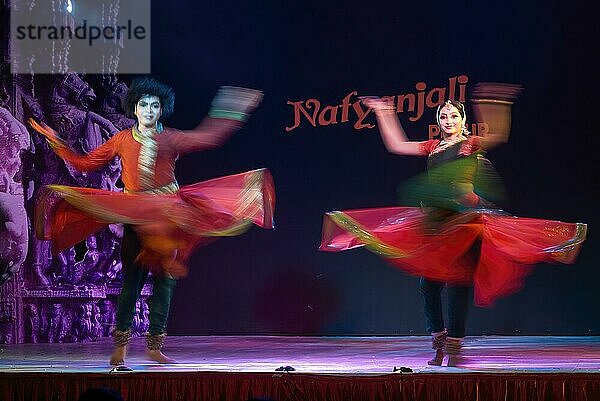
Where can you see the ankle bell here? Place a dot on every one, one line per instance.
(155, 341)
(438, 339)
(453, 345)
(121, 338)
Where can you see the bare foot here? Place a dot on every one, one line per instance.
(437, 359)
(157, 356)
(455, 361)
(118, 356)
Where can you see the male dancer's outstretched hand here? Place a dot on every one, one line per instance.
(50, 134)
(235, 99)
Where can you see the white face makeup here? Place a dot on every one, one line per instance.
(451, 122)
(148, 110)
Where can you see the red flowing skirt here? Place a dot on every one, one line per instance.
(170, 226)
(491, 250)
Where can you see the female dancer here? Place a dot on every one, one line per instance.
(454, 239)
(163, 222)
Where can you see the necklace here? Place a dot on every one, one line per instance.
(446, 143)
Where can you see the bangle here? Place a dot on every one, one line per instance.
(491, 101)
(228, 114)
(386, 110)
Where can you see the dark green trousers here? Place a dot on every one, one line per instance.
(134, 277)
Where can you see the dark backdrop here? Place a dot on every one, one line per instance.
(276, 281)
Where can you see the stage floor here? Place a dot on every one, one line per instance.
(314, 355)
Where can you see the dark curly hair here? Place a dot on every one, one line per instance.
(146, 86)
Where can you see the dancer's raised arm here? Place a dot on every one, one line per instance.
(94, 160)
(492, 103)
(392, 133)
(230, 108)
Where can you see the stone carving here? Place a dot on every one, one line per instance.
(82, 324)
(107, 316)
(6, 334)
(14, 140)
(89, 263)
(69, 297)
(96, 331)
(57, 324)
(102, 261)
(140, 322)
(43, 168)
(113, 91)
(82, 129)
(144, 319)
(137, 323)
(65, 269)
(32, 323)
